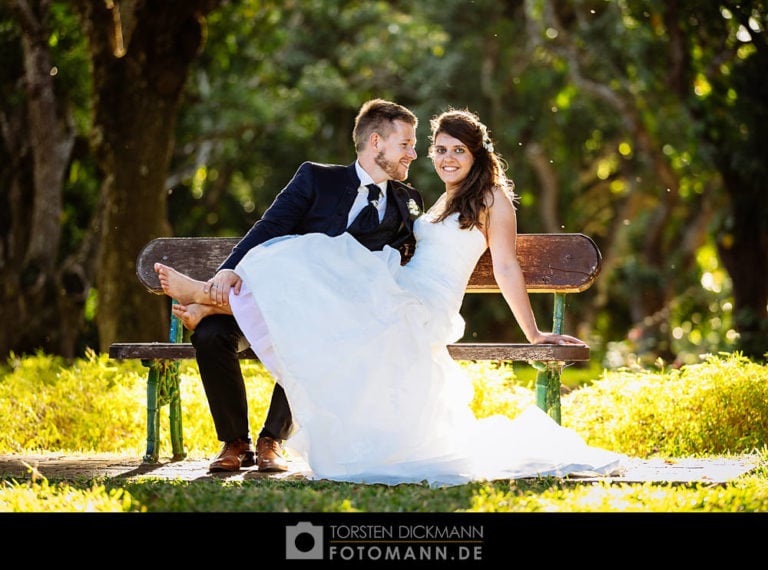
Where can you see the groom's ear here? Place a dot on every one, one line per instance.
(374, 139)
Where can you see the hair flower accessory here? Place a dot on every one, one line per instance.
(413, 208)
(487, 143)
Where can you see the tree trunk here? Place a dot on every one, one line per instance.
(40, 137)
(140, 61)
(743, 249)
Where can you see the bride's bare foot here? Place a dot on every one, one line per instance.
(179, 286)
(191, 315)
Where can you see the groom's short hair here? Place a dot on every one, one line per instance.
(378, 115)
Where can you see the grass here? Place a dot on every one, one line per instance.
(717, 408)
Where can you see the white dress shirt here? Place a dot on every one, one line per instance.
(361, 201)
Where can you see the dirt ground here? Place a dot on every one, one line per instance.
(69, 467)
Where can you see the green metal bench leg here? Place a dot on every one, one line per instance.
(173, 391)
(175, 416)
(163, 389)
(548, 375)
(548, 388)
(153, 412)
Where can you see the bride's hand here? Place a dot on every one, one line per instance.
(552, 338)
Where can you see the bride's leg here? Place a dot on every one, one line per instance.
(191, 315)
(181, 287)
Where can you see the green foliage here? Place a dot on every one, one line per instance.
(715, 407)
(572, 377)
(41, 496)
(47, 403)
(497, 390)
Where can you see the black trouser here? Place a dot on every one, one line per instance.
(217, 340)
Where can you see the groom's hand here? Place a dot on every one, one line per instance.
(220, 285)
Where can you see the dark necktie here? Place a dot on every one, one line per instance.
(368, 218)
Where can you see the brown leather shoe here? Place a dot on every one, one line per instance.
(269, 455)
(233, 456)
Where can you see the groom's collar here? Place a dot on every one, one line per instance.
(365, 178)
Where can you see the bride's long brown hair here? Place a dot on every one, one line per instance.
(474, 194)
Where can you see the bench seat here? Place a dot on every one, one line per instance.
(459, 351)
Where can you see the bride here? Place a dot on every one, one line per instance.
(358, 341)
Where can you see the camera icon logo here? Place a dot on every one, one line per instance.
(304, 541)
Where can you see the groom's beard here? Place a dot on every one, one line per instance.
(395, 170)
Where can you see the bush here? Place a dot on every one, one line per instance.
(719, 406)
(98, 405)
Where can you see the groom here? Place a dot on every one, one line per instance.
(319, 198)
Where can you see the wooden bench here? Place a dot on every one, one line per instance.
(558, 264)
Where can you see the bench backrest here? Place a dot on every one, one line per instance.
(552, 263)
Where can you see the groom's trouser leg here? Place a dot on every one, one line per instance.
(217, 340)
(279, 422)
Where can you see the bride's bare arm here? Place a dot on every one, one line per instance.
(502, 241)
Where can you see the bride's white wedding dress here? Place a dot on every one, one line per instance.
(359, 344)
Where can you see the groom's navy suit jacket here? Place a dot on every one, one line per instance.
(317, 200)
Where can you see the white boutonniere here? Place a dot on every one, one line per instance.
(413, 208)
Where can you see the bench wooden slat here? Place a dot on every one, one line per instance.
(519, 352)
(460, 351)
(573, 261)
